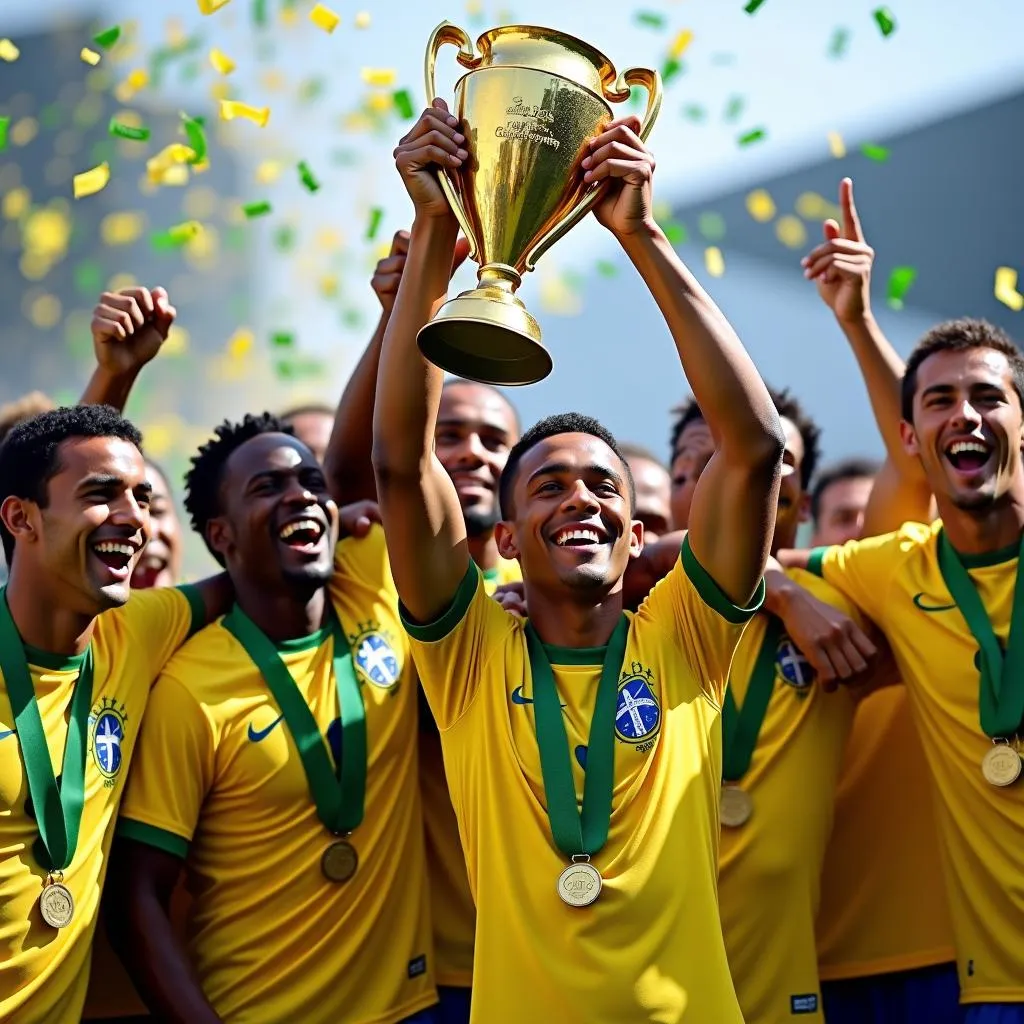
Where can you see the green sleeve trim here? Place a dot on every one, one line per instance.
(197, 605)
(815, 560)
(431, 632)
(159, 838)
(712, 594)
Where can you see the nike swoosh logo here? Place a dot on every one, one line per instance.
(931, 607)
(5, 733)
(262, 734)
(518, 698)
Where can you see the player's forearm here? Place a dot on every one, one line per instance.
(408, 386)
(106, 388)
(732, 397)
(348, 463)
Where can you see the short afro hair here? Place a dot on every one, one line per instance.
(561, 423)
(683, 415)
(203, 480)
(30, 453)
(786, 405)
(959, 336)
(855, 468)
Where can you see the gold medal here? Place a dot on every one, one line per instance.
(56, 904)
(1001, 765)
(736, 807)
(339, 861)
(579, 884)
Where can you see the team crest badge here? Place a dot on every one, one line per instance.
(637, 712)
(107, 738)
(793, 668)
(374, 656)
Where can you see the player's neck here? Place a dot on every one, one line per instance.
(562, 622)
(41, 614)
(984, 531)
(285, 614)
(483, 549)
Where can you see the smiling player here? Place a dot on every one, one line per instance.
(611, 916)
(278, 765)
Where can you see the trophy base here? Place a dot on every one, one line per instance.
(486, 335)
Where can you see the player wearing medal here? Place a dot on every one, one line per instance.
(278, 765)
(612, 915)
(78, 658)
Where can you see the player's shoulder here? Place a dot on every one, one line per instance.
(359, 554)
(145, 610)
(208, 662)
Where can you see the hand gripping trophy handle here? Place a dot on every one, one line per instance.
(649, 80)
(447, 33)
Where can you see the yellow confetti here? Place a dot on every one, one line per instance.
(8, 51)
(362, 19)
(121, 228)
(760, 206)
(791, 232)
(329, 286)
(89, 182)
(45, 311)
(714, 261)
(159, 166)
(681, 42)
(836, 145)
(211, 6)
(230, 109)
(15, 202)
(176, 343)
(89, 56)
(136, 80)
(380, 102)
(175, 175)
(221, 62)
(323, 17)
(558, 297)
(24, 131)
(812, 206)
(240, 343)
(268, 172)
(379, 76)
(1006, 289)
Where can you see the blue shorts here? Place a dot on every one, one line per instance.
(994, 1013)
(929, 994)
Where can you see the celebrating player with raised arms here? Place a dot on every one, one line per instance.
(612, 914)
(78, 658)
(278, 766)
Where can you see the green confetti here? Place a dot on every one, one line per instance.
(259, 12)
(755, 135)
(162, 241)
(877, 153)
(311, 89)
(108, 37)
(650, 19)
(196, 137)
(403, 104)
(694, 112)
(88, 276)
(352, 318)
(712, 226)
(839, 43)
(637, 96)
(900, 280)
(294, 369)
(885, 21)
(284, 238)
(671, 69)
(163, 56)
(734, 108)
(376, 216)
(606, 268)
(306, 176)
(674, 232)
(4, 122)
(256, 209)
(282, 339)
(753, 6)
(126, 131)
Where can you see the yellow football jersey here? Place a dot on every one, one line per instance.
(895, 579)
(451, 903)
(650, 948)
(770, 867)
(218, 781)
(883, 897)
(43, 971)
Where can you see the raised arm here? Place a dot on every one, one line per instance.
(733, 514)
(841, 269)
(128, 328)
(422, 516)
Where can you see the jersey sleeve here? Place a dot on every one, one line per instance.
(863, 570)
(172, 769)
(824, 591)
(452, 653)
(158, 622)
(690, 607)
(365, 559)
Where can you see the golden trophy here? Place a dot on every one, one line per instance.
(530, 102)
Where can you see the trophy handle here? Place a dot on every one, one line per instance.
(619, 92)
(446, 33)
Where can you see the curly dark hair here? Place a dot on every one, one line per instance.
(203, 480)
(30, 453)
(786, 405)
(560, 423)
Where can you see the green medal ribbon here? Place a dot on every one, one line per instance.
(58, 806)
(339, 795)
(575, 832)
(1001, 687)
(741, 726)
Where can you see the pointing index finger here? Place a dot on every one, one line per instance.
(851, 222)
